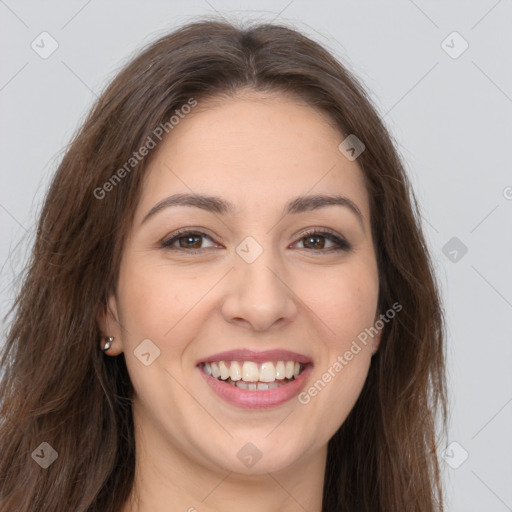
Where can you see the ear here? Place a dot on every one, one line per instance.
(108, 322)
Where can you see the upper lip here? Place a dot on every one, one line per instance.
(257, 356)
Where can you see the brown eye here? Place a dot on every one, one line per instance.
(314, 242)
(317, 240)
(190, 241)
(184, 240)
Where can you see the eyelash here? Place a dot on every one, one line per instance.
(342, 244)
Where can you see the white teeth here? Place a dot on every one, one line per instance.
(250, 372)
(289, 369)
(235, 372)
(224, 372)
(215, 370)
(267, 372)
(257, 386)
(280, 371)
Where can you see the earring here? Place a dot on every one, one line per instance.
(108, 343)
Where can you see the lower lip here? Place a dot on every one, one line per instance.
(263, 399)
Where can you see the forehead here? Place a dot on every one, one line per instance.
(253, 149)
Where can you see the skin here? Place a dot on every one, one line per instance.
(258, 152)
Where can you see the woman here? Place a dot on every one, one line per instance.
(230, 303)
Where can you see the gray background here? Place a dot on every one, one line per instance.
(450, 113)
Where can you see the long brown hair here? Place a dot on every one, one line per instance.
(59, 388)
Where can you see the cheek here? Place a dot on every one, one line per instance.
(156, 305)
(155, 301)
(346, 305)
(165, 306)
(345, 302)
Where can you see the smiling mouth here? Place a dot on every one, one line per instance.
(253, 376)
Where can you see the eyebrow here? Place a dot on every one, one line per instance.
(220, 206)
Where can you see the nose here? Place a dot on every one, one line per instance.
(258, 294)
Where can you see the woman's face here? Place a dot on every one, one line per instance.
(269, 283)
